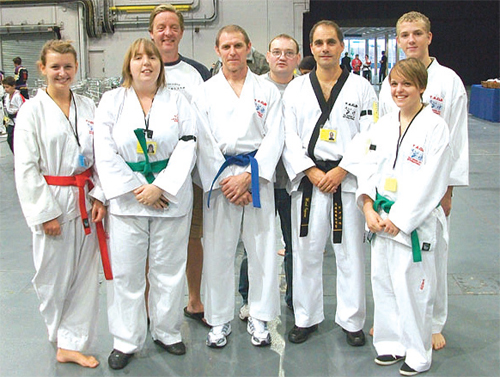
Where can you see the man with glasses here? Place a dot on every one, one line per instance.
(323, 111)
(283, 58)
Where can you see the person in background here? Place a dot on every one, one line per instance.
(346, 62)
(356, 65)
(13, 100)
(166, 28)
(307, 64)
(382, 73)
(21, 76)
(367, 68)
(54, 152)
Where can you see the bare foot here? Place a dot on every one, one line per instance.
(371, 332)
(68, 356)
(438, 341)
(281, 252)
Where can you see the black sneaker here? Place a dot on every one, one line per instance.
(355, 338)
(388, 359)
(118, 360)
(406, 370)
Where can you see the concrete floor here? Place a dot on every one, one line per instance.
(472, 331)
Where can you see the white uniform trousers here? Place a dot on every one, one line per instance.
(308, 262)
(222, 224)
(67, 283)
(403, 295)
(440, 314)
(132, 240)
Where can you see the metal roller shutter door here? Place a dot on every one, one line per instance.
(27, 47)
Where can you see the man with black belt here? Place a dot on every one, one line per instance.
(323, 111)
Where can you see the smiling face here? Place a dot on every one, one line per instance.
(405, 93)
(166, 32)
(414, 40)
(233, 51)
(326, 47)
(60, 70)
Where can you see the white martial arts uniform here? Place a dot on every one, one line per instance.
(404, 290)
(66, 279)
(446, 94)
(231, 125)
(12, 105)
(351, 114)
(138, 231)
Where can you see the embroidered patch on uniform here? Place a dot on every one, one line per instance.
(426, 246)
(90, 125)
(436, 104)
(350, 111)
(416, 155)
(175, 86)
(175, 118)
(422, 285)
(260, 107)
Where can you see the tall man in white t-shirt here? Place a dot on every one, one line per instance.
(166, 28)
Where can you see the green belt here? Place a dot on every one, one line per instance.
(145, 167)
(385, 204)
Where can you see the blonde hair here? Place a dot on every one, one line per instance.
(165, 8)
(58, 46)
(413, 17)
(150, 49)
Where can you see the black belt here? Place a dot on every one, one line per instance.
(307, 187)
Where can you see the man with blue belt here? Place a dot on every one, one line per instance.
(241, 139)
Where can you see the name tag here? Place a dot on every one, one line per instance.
(151, 145)
(82, 161)
(391, 184)
(328, 135)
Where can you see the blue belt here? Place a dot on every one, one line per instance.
(242, 160)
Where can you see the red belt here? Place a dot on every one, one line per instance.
(80, 181)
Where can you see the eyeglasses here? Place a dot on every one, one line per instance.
(288, 54)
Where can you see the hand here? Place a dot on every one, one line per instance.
(332, 180)
(314, 174)
(98, 211)
(52, 227)
(390, 228)
(235, 186)
(446, 201)
(244, 199)
(373, 219)
(148, 195)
